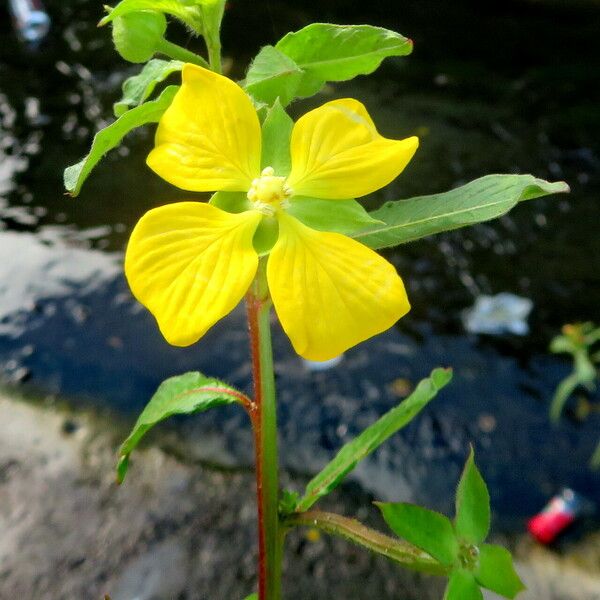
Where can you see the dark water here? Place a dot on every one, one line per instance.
(508, 88)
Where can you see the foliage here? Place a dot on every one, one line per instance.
(137, 89)
(372, 437)
(110, 137)
(486, 198)
(459, 544)
(580, 340)
(185, 394)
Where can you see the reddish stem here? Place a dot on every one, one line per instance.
(253, 306)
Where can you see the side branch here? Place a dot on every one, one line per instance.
(354, 531)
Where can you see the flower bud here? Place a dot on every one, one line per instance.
(137, 35)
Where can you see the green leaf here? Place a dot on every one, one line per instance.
(276, 133)
(138, 88)
(181, 395)
(372, 437)
(137, 36)
(472, 521)
(110, 137)
(252, 597)
(188, 11)
(496, 571)
(273, 75)
(426, 529)
(341, 216)
(462, 586)
(288, 501)
(480, 200)
(563, 391)
(327, 52)
(232, 202)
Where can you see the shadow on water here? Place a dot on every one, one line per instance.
(501, 89)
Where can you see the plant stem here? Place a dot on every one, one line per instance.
(213, 45)
(212, 17)
(354, 531)
(264, 424)
(178, 53)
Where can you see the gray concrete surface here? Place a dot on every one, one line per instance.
(178, 531)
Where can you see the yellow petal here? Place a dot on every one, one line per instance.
(209, 139)
(337, 153)
(329, 291)
(190, 264)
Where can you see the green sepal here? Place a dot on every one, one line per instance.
(110, 137)
(462, 586)
(271, 76)
(496, 571)
(480, 200)
(181, 395)
(472, 521)
(327, 52)
(266, 235)
(267, 231)
(276, 134)
(372, 437)
(231, 202)
(138, 88)
(426, 529)
(340, 216)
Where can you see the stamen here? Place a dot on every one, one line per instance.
(269, 193)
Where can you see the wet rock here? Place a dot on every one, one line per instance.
(170, 531)
(160, 573)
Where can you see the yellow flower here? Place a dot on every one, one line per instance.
(190, 263)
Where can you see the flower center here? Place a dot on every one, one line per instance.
(268, 193)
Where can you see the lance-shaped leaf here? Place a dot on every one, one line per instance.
(462, 586)
(138, 88)
(273, 75)
(496, 571)
(426, 529)
(181, 395)
(110, 137)
(372, 437)
(480, 200)
(327, 52)
(472, 521)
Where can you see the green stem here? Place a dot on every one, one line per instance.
(213, 45)
(354, 531)
(178, 53)
(264, 423)
(212, 14)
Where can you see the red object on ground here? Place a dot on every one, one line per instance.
(546, 527)
(557, 515)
